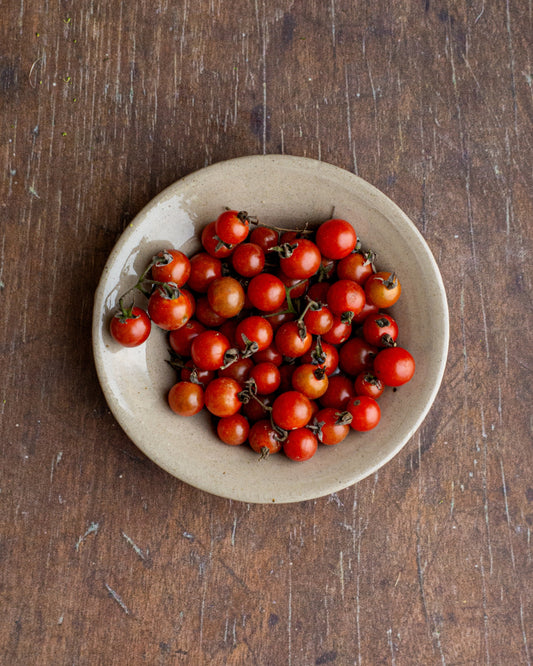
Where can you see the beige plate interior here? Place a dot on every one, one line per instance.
(284, 191)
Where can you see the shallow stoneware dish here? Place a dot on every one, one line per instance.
(288, 192)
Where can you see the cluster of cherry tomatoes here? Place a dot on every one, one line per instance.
(282, 335)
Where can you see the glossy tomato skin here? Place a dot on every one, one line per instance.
(253, 409)
(319, 322)
(222, 396)
(248, 259)
(368, 384)
(368, 310)
(254, 328)
(291, 410)
(331, 362)
(131, 331)
(380, 329)
(167, 312)
(394, 366)
(212, 244)
(208, 350)
(266, 292)
(338, 333)
(270, 355)
(345, 296)
(263, 438)
(356, 356)
(239, 370)
(304, 260)
(310, 380)
(340, 390)
(226, 296)
(331, 432)
(171, 266)
(265, 237)
(202, 376)
(233, 430)
(365, 413)
(204, 269)
(319, 291)
(289, 341)
(383, 289)
(186, 398)
(355, 267)
(206, 315)
(336, 238)
(300, 445)
(266, 376)
(296, 286)
(232, 227)
(181, 339)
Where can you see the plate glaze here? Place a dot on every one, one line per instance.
(283, 191)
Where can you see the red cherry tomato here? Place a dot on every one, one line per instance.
(222, 396)
(365, 413)
(255, 329)
(186, 398)
(334, 425)
(189, 370)
(232, 226)
(270, 355)
(248, 259)
(300, 445)
(263, 438)
(320, 321)
(356, 355)
(368, 384)
(130, 328)
(170, 308)
(338, 333)
(340, 390)
(233, 430)
(206, 315)
(380, 330)
(356, 266)
(254, 410)
(266, 292)
(329, 359)
(265, 237)
(171, 266)
(181, 339)
(208, 350)
(345, 296)
(226, 296)
(304, 260)
(204, 269)
(291, 410)
(266, 377)
(395, 366)
(290, 342)
(336, 238)
(239, 370)
(310, 380)
(383, 289)
(213, 244)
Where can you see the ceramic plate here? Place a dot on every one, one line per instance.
(283, 191)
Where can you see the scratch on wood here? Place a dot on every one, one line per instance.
(233, 530)
(391, 646)
(117, 598)
(138, 551)
(507, 514)
(486, 503)
(512, 63)
(55, 463)
(486, 631)
(92, 529)
(341, 573)
(524, 635)
(351, 143)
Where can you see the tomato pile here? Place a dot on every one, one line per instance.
(282, 335)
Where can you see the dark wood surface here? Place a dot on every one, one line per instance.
(106, 559)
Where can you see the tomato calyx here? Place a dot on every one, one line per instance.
(320, 372)
(285, 250)
(221, 244)
(168, 290)
(230, 356)
(391, 282)
(162, 258)
(318, 355)
(370, 258)
(125, 313)
(388, 341)
(250, 346)
(372, 379)
(316, 428)
(249, 392)
(347, 317)
(343, 418)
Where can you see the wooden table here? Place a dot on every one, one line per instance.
(106, 559)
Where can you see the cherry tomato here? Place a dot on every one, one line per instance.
(365, 413)
(290, 342)
(338, 333)
(206, 315)
(356, 355)
(304, 260)
(130, 328)
(345, 296)
(186, 398)
(254, 410)
(169, 308)
(255, 329)
(204, 269)
(318, 292)
(383, 289)
(335, 425)
(265, 237)
(171, 266)
(380, 330)
(356, 266)
(336, 238)
(181, 339)
(310, 380)
(208, 350)
(233, 430)
(296, 286)
(226, 296)
(329, 358)
(300, 445)
(340, 390)
(368, 384)
(368, 309)
(278, 318)
(232, 226)
(222, 396)
(213, 244)
(291, 410)
(189, 370)
(263, 438)
(248, 259)
(318, 321)
(394, 366)
(270, 355)
(266, 377)
(285, 372)
(266, 292)
(239, 370)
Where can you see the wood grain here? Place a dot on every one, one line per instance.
(108, 560)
